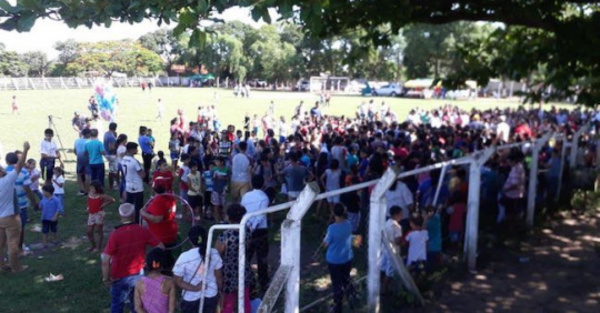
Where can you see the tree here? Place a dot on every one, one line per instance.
(37, 62)
(563, 24)
(431, 49)
(11, 63)
(108, 57)
(165, 44)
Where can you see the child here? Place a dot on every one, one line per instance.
(152, 139)
(58, 182)
(50, 206)
(195, 189)
(174, 149)
(34, 175)
(456, 226)
(208, 189)
(255, 123)
(155, 292)
(417, 242)
(97, 200)
(160, 156)
(351, 158)
(220, 174)
(339, 256)
(184, 170)
(434, 230)
(247, 122)
(393, 230)
(15, 106)
(163, 176)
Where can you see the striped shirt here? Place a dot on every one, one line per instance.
(24, 180)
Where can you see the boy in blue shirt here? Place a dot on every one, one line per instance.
(50, 207)
(339, 256)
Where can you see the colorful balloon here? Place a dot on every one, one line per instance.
(105, 99)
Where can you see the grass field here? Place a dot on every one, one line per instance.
(81, 290)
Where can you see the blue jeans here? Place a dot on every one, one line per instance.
(97, 172)
(47, 168)
(120, 291)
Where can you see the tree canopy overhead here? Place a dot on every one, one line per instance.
(553, 39)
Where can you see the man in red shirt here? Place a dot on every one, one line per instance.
(160, 215)
(123, 258)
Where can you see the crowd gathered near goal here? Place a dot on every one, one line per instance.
(208, 173)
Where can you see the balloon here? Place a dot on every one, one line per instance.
(106, 115)
(99, 90)
(105, 98)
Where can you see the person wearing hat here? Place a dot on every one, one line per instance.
(123, 258)
(189, 271)
(10, 221)
(133, 176)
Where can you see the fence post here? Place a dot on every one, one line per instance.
(439, 186)
(565, 145)
(575, 145)
(473, 206)
(533, 176)
(376, 220)
(290, 244)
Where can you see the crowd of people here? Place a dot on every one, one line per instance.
(225, 173)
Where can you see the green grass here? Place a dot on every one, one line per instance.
(82, 290)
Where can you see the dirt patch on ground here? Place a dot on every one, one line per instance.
(555, 271)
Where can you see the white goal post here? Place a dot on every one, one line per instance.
(330, 84)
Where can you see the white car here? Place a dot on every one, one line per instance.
(392, 90)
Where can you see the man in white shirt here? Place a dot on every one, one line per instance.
(134, 184)
(240, 173)
(49, 152)
(253, 201)
(10, 223)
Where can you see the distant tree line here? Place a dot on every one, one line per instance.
(274, 52)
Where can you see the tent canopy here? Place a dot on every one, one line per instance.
(419, 83)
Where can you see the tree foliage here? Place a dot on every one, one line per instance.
(108, 57)
(37, 62)
(559, 36)
(11, 63)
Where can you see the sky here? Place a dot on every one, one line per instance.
(45, 33)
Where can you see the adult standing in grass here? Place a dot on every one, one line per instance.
(240, 173)
(10, 222)
(339, 256)
(110, 146)
(147, 151)
(94, 149)
(253, 201)
(23, 191)
(133, 175)
(123, 258)
(49, 151)
(83, 170)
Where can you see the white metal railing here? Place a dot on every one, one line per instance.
(48, 83)
(291, 227)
